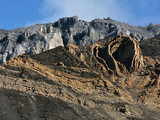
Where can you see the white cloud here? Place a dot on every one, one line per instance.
(84, 9)
(135, 12)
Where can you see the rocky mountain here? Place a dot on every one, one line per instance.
(41, 37)
(112, 79)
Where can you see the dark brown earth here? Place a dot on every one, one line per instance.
(151, 47)
(108, 80)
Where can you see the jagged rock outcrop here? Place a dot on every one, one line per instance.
(30, 41)
(120, 54)
(42, 37)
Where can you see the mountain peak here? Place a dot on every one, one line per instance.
(39, 38)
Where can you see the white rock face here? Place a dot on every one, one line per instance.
(41, 37)
(31, 43)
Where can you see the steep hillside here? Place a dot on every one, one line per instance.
(151, 47)
(108, 80)
(41, 37)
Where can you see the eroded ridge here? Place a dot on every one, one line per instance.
(109, 79)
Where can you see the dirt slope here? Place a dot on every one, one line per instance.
(108, 80)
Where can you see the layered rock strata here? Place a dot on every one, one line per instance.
(100, 81)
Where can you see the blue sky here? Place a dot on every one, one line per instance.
(21, 13)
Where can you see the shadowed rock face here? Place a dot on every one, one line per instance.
(109, 79)
(41, 37)
(151, 47)
(127, 52)
(120, 54)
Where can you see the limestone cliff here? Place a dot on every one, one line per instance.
(41, 37)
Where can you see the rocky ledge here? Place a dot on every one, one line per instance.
(110, 79)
